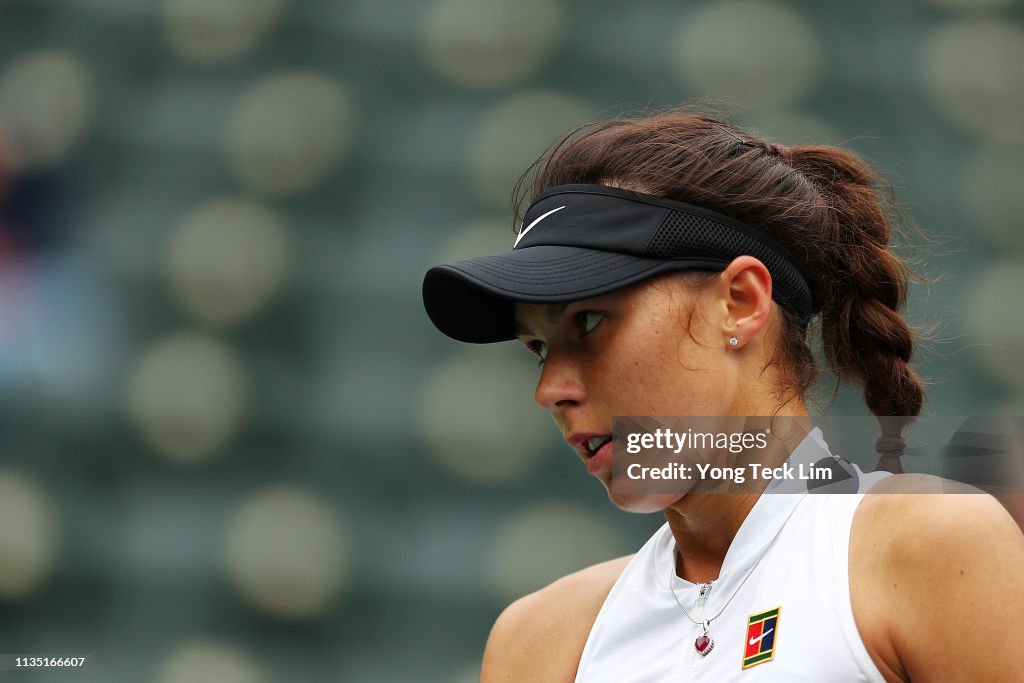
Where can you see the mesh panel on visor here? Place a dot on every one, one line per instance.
(682, 234)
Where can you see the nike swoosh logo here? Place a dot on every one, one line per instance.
(755, 641)
(522, 233)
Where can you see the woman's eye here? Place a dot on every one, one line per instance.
(590, 320)
(539, 349)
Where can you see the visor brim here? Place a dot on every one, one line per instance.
(474, 300)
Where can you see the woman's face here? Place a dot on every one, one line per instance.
(631, 352)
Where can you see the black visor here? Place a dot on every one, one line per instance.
(582, 241)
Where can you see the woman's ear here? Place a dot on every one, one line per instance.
(747, 295)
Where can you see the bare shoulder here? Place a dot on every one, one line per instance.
(540, 637)
(929, 567)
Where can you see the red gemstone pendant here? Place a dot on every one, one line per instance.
(704, 645)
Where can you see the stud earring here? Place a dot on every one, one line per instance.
(733, 341)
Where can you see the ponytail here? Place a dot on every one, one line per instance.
(865, 339)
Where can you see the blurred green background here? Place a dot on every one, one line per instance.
(232, 447)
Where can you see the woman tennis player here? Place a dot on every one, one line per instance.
(672, 266)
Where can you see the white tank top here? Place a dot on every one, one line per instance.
(641, 634)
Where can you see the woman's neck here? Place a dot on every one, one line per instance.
(704, 524)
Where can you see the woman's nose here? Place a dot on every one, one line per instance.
(560, 384)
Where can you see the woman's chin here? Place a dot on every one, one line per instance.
(642, 502)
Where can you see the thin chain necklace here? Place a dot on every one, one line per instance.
(705, 643)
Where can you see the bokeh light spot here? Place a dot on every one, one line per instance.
(46, 104)
(545, 542)
(972, 67)
(288, 131)
(478, 418)
(228, 260)
(287, 553)
(996, 332)
(187, 396)
(754, 52)
(513, 133)
(29, 535)
(205, 660)
(213, 32)
(491, 43)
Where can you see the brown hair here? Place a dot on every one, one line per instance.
(822, 203)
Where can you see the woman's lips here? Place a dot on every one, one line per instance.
(601, 459)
